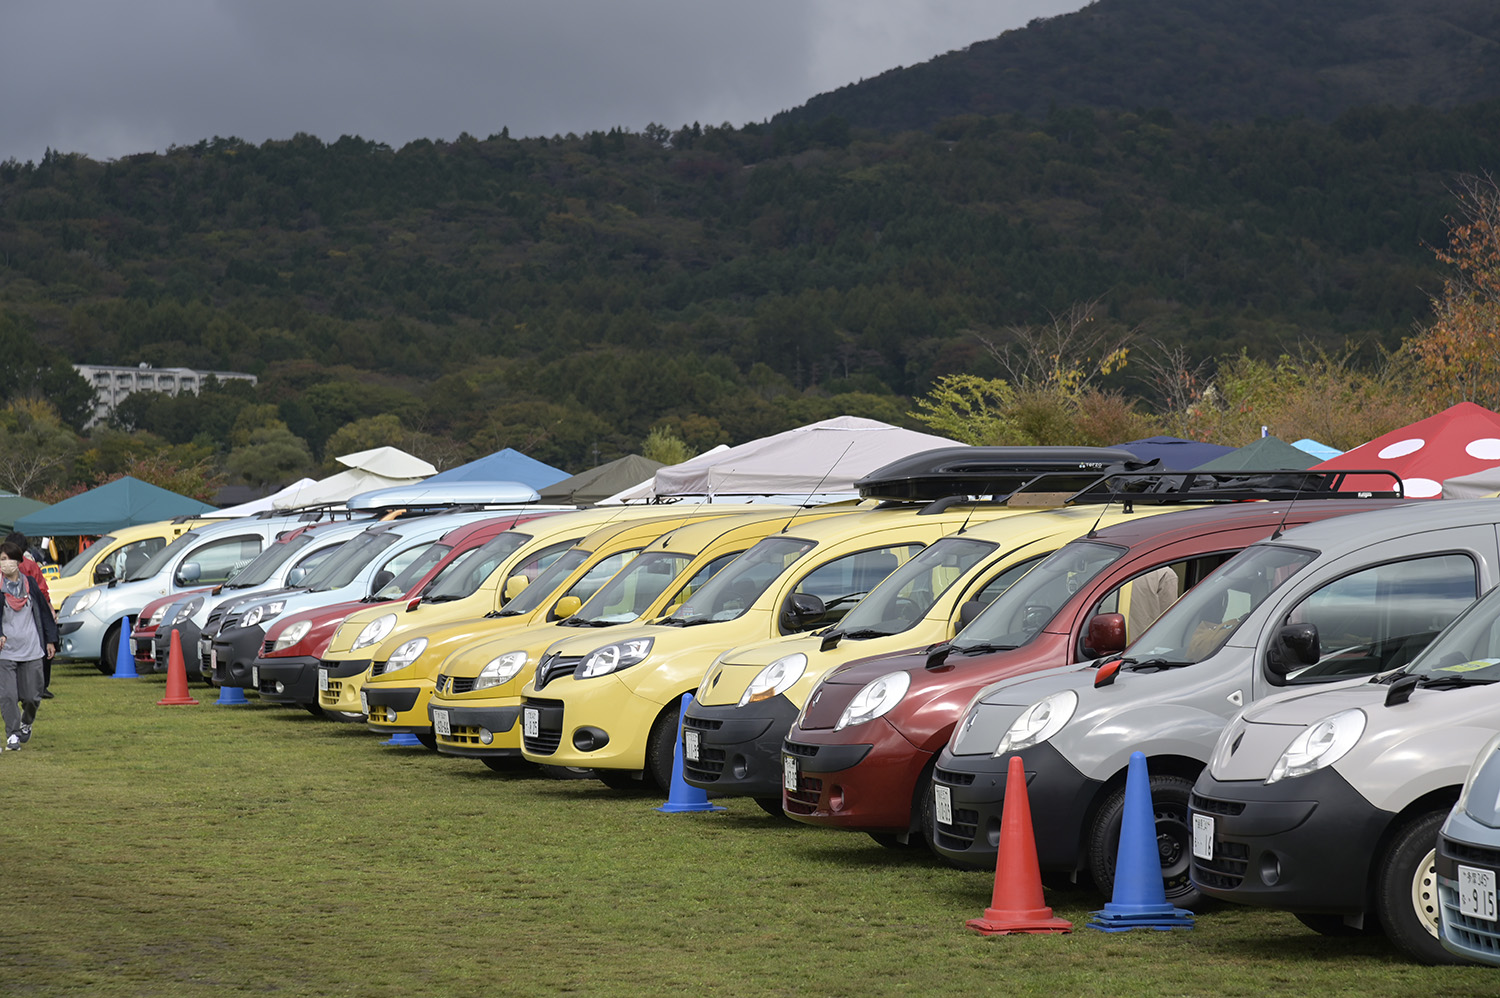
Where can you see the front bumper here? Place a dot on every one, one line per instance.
(736, 751)
(396, 708)
(1464, 841)
(1057, 793)
(82, 636)
(1301, 845)
(339, 684)
(606, 729)
(467, 726)
(187, 643)
(869, 785)
(236, 651)
(144, 650)
(286, 680)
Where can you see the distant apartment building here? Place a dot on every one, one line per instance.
(112, 384)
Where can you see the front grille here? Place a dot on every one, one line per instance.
(1207, 805)
(963, 832)
(709, 765)
(1477, 855)
(1226, 870)
(801, 751)
(1473, 933)
(461, 735)
(267, 647)
(331, 696)
(702, 723)
(381, 668)
(215, 619)
(803, 800)
(207, 658)
(555, 667)
(953, 779)
(460, 684)
(547, 739)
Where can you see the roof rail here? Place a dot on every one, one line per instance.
(1154, 486)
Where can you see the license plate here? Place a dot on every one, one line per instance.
(254, 674)
(531, 722)
(942, 804)
(690, 742)
(1203, 836)
(364, 702)
(1476, 893)
(440, 722)
(322, 680)
(789, 776)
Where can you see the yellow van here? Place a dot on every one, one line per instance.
(611, 704)
(116, 555)
(386, 658)
(478, 689)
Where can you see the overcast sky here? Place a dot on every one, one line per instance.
(109, 78)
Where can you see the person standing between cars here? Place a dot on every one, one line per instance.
(28, 634)
(31, 567)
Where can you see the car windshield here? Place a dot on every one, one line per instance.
(78, 561)
(1198, 624)
(632, 591)
(542, 586)
(464, 574)
(340, 570)
(1019, 613)
(1469, 649)
(162, 558)
(905, 596)
(267, 562)
(730, 593)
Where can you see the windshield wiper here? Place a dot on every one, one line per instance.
(1151, 664)
(441, 599)
(865, 633)
(1451, 682)
(982, 648)
(585, 622)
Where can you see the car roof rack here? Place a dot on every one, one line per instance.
(1157, 486)
(948, 472)
(438, 495)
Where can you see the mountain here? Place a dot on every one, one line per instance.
(1208, 60)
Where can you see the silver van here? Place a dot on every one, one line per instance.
(1325, 602)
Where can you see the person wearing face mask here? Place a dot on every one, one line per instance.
(31, 568)
(28, 634)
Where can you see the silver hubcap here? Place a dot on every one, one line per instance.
(1424, 893)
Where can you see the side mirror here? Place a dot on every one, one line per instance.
(566, 607)
(103, 572)
(1295, 645)
(1105, 634)
(514, 585)
(381, 580)
(801, 611)
(189, 572)
(969, 611)
(295, 576)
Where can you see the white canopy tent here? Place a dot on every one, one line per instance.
(1475, 485)
(265, 502)
(377, 468)
(818, 462)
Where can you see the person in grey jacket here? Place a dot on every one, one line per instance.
(28, 635)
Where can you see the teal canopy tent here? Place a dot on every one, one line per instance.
(123, 502)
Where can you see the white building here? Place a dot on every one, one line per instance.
(112, 384)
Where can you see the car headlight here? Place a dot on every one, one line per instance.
(262, 612)
(1322, 743)
(189, 608)
(613, 658)
(1480, 761)
(292, 635)
(875, 699)
(776, 678)
(405, 655)
(156, 617)
(376, 630)
(500, 669)
(85, 600)
(1039, 722)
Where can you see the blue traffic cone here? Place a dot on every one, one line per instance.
(231, 696)
(402, 739)
(681, 797)
(1140, 897)
(124, 654)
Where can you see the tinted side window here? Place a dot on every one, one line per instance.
(1381, 617)
(842, 582)
(218, 560)
(994, 587)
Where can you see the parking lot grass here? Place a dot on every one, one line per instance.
(207, 850)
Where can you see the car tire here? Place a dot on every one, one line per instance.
(624, 780)
(1169, 799)
(1406, 897)
(772, 806)
(428, 740)
(1333, 926)
(661, 747)
(314, 709)
(503, 763)
(109, 650)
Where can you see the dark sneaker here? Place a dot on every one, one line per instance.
(13, 743)
(47, 694)
(25, 733)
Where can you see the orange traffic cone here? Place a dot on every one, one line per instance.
(177, 687)
(1017, 906)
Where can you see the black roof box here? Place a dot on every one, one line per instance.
(983, 471)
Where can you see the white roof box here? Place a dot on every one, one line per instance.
(422, 495)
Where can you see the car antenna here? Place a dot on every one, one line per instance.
(1113, 493)
(819, 487)
(1281, 527)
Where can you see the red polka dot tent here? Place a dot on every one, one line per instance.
(1460, 440)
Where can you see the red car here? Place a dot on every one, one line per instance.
(143, 635)
(861, 754)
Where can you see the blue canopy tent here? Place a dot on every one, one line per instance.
(1174, 453)
(1322, 452)
(13, 507)
(504, 466)
(123, 502)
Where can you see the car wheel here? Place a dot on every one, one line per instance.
(772, 806)
(661, 748)
(1174, 839)
(1333, 926)
(563, 772)
(892, 840)
(428, 740)
(503, 763)
(1406, 896)
(314, 709)
(626, 780)
(109, 650)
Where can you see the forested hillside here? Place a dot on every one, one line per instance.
(1209, 60)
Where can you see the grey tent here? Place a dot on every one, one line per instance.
(1475, 485)
(13, 507)
(1265, 454)
(602, 482)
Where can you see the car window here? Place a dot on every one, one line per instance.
(843, 582)
(466, 573)
(627, 595)
(1027, 604)
(1380, 618)
(598, 574)
(75, 564)
(700, 578)
(219, 559)
(412, 563)
(904, 596)
(1146, 595)
(731, 592)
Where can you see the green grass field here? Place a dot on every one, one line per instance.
(261, 851)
